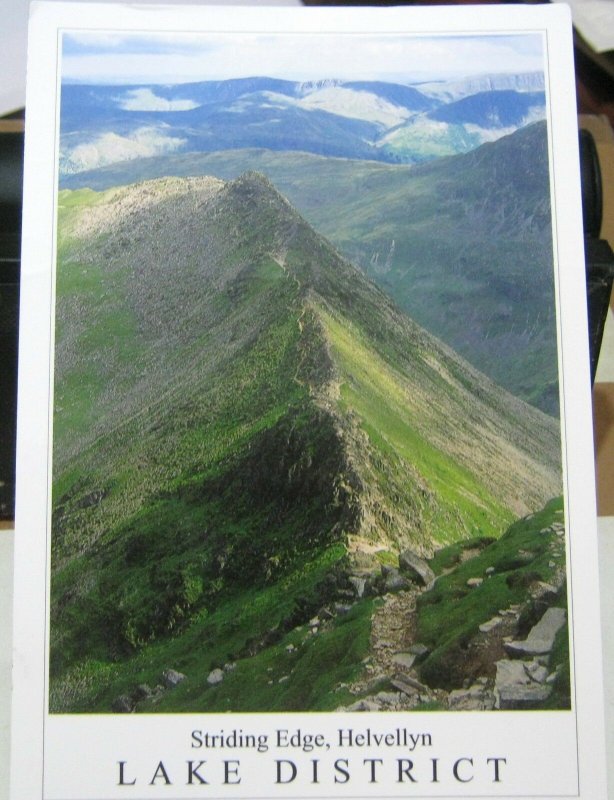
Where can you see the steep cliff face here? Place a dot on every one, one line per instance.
(236, 405)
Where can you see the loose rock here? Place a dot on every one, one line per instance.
(404, 660)
(477, 697)
(541, 637)
(172, 678)
(215, 676)
(487, 627)
(416, 568)
(123, 704)
(514, 688)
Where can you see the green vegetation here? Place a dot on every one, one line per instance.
(302, 671)
(258, 630)
(450, 614)
(423, 142)
(373, 390)
(233, 401)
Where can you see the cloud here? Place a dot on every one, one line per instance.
(146, 100)
(180, 58)
(110, 148)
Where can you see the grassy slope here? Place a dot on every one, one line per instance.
(192, 525)
(450, 614)
(223, 478)
(438, 498)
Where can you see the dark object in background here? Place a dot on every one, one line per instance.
(598, 253)
(11, 178)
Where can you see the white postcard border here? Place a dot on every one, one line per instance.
(581, 728)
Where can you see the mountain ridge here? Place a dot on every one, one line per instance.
(465, 237)
(249, 421)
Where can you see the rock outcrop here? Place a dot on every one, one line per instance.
(415, 568)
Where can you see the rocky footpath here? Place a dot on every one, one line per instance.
(507, 659)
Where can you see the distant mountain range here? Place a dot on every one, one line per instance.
(238, 409)
(102, 125)
(449, 90)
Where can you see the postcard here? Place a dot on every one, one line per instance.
(305, 497)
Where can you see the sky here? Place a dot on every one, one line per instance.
(108, 58)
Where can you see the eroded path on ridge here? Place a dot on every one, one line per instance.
(393, 629)
(390, 661)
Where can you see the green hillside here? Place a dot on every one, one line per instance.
(527, 557)
(463, 244)
(238, 412)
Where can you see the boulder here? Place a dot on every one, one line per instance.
(523, 697)
(544, 592)
(487, 627)
(536, 671)
(142, 692)
(541, 637)
(419, 650)
(416, 568)
(172, 678)
(215, 676)
(123, 704)
(387, 698)
(404, 660)
(395, 582)
(515, 689)
(408, 685)
(477, 697)
(511, 672)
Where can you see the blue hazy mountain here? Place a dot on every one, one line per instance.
(492, 109)
(373, 120)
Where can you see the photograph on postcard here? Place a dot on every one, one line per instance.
(306, 425)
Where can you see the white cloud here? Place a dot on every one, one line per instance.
(220, 56)
(146, 100)
(109, 148)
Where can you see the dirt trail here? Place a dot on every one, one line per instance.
(393, 629)
(393, 632)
